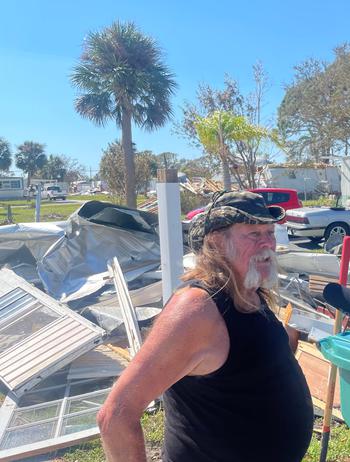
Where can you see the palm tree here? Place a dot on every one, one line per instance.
(217, 131)
(30, 157)
(122, 77)
(5, 155)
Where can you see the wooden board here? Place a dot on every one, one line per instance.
(316, 369)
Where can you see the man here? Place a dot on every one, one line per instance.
(233, 391)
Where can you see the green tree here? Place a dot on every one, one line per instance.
(112, 169)
(54, 169)
(146, 169)
(241, 155)
(204, 166)
(314, 116)
(30, 157)
(219, 130)
(168, 160)
(74, 170)
(123, 78)
(5, 155)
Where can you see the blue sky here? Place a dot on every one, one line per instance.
(40, 42)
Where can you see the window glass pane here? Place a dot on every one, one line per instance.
(34, 414)
(80, 404)
(56, 379)
(8, 307)
(269, 198)
(28, 435)
(15, 184)
(280, 197)
(39, 397)
(79, 423)
(89, 387)
(25, 326)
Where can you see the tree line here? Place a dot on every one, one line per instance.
(31, 158)
(112, 167)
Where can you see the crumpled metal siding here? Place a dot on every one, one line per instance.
(94, 234)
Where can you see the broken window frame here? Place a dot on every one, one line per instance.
(9, 406)
(14, 290)
(59, 440)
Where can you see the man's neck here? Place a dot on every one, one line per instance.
(248, 300)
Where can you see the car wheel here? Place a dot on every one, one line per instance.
(337, 227)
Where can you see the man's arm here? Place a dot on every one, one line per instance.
(182, 342)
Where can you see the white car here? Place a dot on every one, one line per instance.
(53, 193)
(317, 223)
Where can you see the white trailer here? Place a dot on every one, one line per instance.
(309, 180)
(11, 187)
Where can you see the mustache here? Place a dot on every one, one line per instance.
(263, 255)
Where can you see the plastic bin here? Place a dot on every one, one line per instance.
(336, 349)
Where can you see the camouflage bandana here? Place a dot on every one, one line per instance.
(228, 208)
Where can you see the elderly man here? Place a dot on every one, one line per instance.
(233, 391)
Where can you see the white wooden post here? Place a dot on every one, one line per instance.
(170, 230)
(37, 203)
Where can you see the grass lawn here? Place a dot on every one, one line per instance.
(105, 198)
(320, 202)
(49, 212)
(338, 451)
(23, 211)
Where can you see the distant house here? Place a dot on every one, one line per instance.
(82, 186)
(11, 187)
(309, 179)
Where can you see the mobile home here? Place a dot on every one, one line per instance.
(11, 187)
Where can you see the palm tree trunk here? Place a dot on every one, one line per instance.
(128, 160)
(226, 176)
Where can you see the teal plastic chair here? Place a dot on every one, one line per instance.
(336, 349)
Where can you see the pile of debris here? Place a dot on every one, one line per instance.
(67, 334)
(202, 187)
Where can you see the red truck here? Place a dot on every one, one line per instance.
(285, 198)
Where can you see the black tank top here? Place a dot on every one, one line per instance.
(255, 408)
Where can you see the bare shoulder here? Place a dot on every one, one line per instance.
(188, 338)
(191, 302)
(192, 320)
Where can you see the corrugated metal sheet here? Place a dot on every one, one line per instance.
(50, 335)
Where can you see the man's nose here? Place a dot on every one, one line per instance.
(268, 241)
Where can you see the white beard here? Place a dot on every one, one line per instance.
(254, 280)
